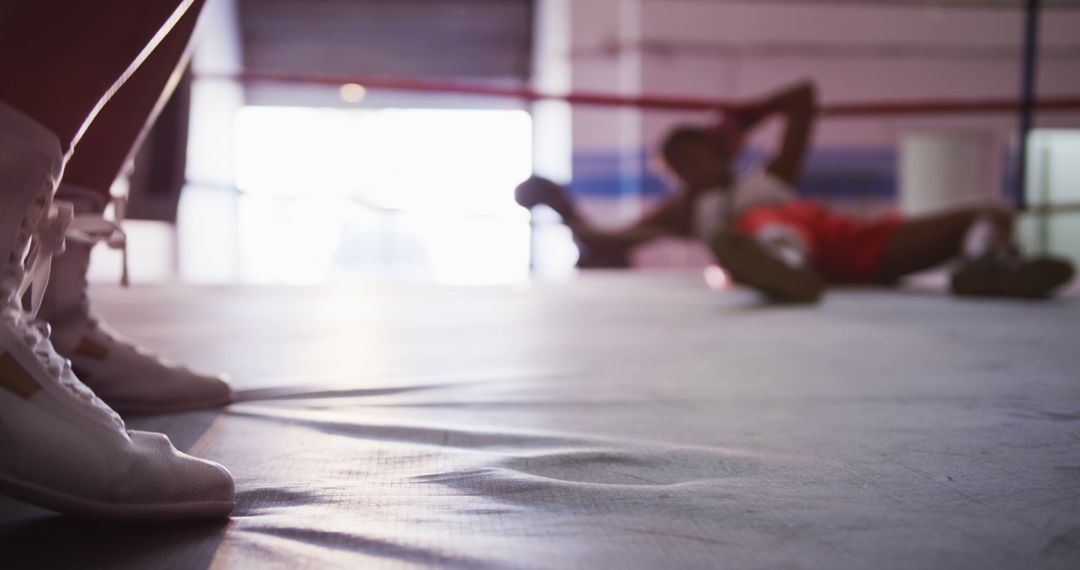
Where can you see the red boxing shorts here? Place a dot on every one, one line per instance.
(842, 248)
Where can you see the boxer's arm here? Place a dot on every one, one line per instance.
(798, 105)
(670, 219)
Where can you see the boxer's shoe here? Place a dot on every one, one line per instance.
(1011, 276)
(60, 446)
(63, 449)
(753, 263)
(128, 378)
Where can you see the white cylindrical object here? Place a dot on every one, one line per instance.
(942, 168)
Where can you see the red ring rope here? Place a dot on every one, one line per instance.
(922, 107)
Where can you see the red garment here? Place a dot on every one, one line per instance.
(842, 248)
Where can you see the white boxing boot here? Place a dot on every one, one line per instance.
(128, 378)
(61, 447)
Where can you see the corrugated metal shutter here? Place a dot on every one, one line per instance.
(440, 39)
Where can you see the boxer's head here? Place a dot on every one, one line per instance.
(700, 158)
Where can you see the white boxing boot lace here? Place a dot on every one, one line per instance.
(46, 240)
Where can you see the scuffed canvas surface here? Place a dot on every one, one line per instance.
(617, 421)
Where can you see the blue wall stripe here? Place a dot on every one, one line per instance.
(830, 173)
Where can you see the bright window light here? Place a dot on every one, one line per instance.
(337, 192)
